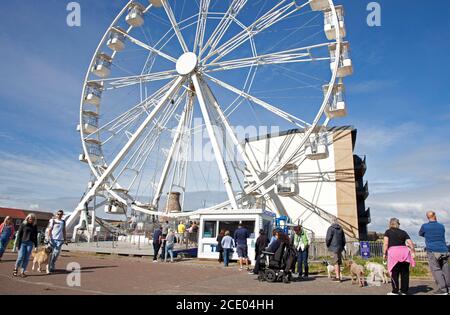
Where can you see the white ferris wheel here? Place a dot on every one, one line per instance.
(170, 73)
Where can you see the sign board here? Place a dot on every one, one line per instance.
(365, 250)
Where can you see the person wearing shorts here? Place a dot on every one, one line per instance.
(335, 242)
(240, 238)
(337, 259)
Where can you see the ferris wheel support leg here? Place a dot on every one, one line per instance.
(214, 143)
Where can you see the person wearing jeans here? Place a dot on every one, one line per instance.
(156, 243)
(57, 236)
(170, 243)
(26, 237)
(437, 252)
(6, 234)
(300, 242)
(227, 245)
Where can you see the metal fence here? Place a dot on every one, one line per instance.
(318, 250)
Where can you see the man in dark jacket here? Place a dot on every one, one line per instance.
(335, 241)
(157, 243)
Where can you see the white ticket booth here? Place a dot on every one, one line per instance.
(213, 221)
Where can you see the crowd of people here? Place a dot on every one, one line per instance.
(398, 248)
(27, 239)
(398, 251)
(165, 237)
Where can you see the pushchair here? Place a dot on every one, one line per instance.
(277, 266)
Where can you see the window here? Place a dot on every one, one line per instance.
(209, 229)
(232, 226)
(268, 227)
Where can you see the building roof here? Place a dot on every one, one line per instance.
(295, 131)
(22, 214)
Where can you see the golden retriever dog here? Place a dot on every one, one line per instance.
(41, 258)
(356, 272)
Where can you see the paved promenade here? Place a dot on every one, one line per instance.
(106, 274)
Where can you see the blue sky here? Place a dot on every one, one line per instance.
(398, 100)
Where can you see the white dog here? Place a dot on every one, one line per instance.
(377, 270)
(330, 269)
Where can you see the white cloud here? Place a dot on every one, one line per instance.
(410, 207)
(6, 136)
(34, 207)
(26, 179)
(378, 138)
(371, 86)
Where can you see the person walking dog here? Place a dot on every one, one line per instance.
(335, 242)
(57, 237)
(26, 239)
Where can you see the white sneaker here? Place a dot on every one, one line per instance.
(392, 293)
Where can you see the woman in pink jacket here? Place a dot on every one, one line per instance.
(399, 251)
(6, 234)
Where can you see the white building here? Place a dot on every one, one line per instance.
(325, 183)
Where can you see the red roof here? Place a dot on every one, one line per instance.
(21, 214)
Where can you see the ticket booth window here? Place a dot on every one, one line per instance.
(209, 230)
(232, 226)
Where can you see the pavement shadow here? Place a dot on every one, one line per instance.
(65, 272)
(420, 289)
(305, 280)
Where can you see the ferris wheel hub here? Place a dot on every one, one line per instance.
(187, 63)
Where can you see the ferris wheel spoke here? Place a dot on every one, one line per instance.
(131, 142)
(201, 25)
(296, 55)
(275, 15)
(175, 25)
(221, 29)
(216, 148)
(121, 82)
(176, 145)
(213, 101)
(125, 119)
(139, 158)
(144, 45)
(273, 109)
